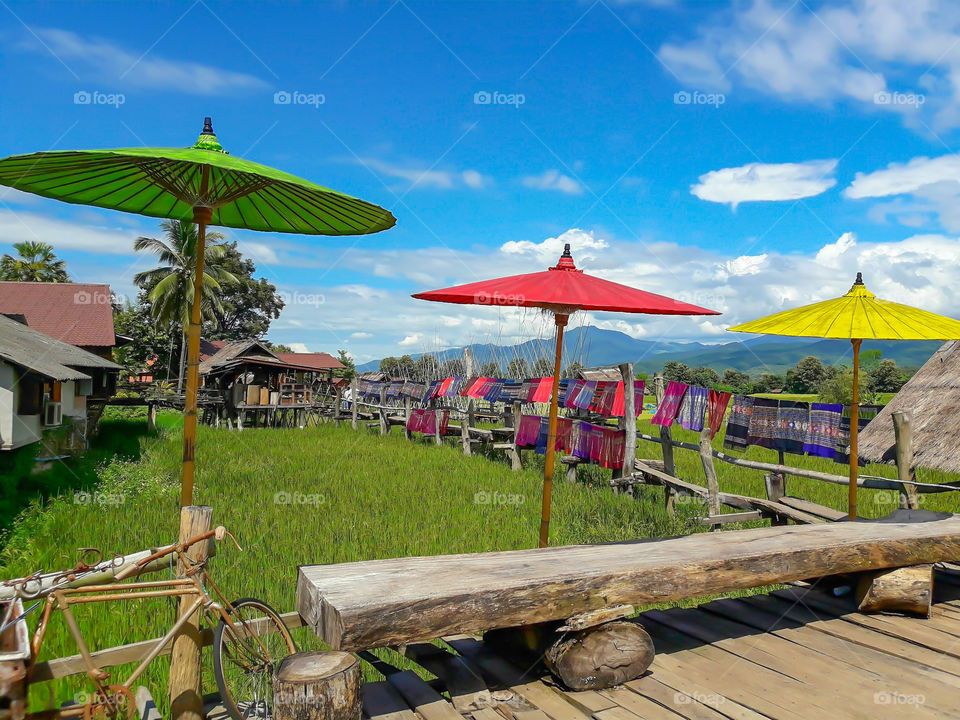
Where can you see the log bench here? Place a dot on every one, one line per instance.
(362, 605)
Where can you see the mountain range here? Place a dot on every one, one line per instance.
(592, 346)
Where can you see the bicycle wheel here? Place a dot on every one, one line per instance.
(244, 656)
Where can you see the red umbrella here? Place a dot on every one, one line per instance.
(562, 290)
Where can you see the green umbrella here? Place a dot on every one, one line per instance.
(201, 184)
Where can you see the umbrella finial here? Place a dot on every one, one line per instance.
(208, 139)
(566, 260)
(859, 280)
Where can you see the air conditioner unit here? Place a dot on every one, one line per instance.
(52, 414)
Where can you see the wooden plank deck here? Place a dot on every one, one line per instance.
(795, 654)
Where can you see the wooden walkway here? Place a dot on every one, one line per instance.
(793, 654)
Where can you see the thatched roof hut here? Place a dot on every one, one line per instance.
(933, 398)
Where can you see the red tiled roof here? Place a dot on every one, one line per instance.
(209, 348)
(318, 360)
(75, 313)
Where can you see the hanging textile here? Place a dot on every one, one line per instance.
(511, 391)
(596, 443)
(468, 386)
(793, 422)
(444, 387)
(763, 423)
(542, 390)
(613, 445)
(432, 390)
(494, 392)
(581, 439)
(562, 389)
(528, 430)
(564, 435)
(670, 405)
(865, 413)
(415, 420)
(716, 407)
(738, 424)
(586, 395)
(431, 418)
(823, 434)
(692, 408)
(393, 389)
(599, 393)
(571, 397)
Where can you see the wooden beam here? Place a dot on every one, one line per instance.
(629, 419)
(386, 602)
(724, 518)
(903, 432)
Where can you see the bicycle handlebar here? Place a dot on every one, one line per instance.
(218, 533)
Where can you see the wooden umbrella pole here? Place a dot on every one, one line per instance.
(548, 464)
(202, 216)
(854, 431)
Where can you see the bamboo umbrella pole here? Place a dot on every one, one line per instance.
(854, 431)
(202, 216)
(548, 464)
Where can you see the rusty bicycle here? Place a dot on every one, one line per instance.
(249, 640)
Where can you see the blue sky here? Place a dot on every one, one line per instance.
(748, 157)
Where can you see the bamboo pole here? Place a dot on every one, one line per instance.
(186, 698)
(353, 402)
(561, 321)
(854, 432)
(467, 418)
(201, 216)
(713, 486)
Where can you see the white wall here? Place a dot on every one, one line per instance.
(18, 430)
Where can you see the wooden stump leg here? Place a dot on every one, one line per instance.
(601, 657)
(318, 685)
(906, 590)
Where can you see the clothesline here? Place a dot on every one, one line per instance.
(604, 397)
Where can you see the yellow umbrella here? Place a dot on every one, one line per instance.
(859, 315)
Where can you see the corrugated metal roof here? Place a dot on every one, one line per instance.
(318, 360)
(76, 313)
(29, 348)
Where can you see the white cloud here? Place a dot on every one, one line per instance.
(18, 227)
(109, 63)
(298, 347)
(832, 254)
(553, 180)
(361, 336)
(930, 186)
(414, 339)
(548, 251)
(903, 178)
(744, 265)
(259, 252)
(421, 176)
(760, 181)
(857, 53)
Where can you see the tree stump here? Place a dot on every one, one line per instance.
(318, 685)
(906, 590)
(601, 657)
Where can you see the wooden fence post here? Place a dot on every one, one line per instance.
(382, 412)
(407, 411)
(776, 487)
(713, 486)
(437, 435)
(666, 445)
(903, 432)
(151, 416)
(629, 420)
(186, 699)
(353, 403)
(467, 420)
(516, 462)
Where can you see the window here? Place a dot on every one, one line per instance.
(31, 394)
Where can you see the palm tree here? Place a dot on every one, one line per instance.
(171, 284)
(36, 262)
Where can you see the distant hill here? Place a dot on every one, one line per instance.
(593, 346)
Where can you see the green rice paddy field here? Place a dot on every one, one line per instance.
(331, 494)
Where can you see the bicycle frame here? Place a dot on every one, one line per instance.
(191, 586)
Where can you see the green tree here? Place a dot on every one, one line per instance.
(246, 304)
(705, 377)
(542, 368)
(398, 367)
(35, 262)
(807, 376)
(870, 359)
(736, 379)
(148, 338)
(886, 377)
(518, 369)
(767, 382)
(839, 388)
(489, 370)
(350, 367)
(426, 368)
(677, 372)
(571, 370)
(170, 285)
